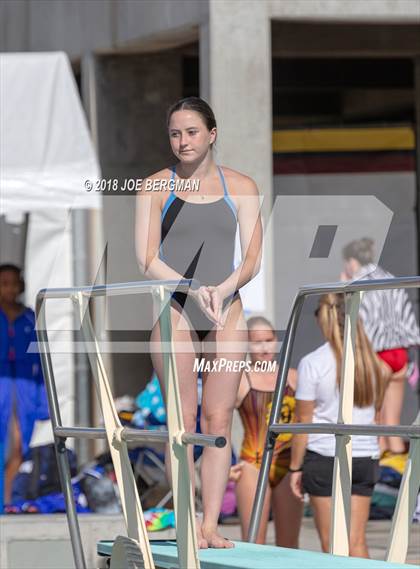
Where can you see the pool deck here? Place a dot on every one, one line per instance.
(377, 536)
(24, 540)
(252, 556)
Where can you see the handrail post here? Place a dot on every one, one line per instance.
(130, 501)
(342, 476)
(281, 382)
(178, 452)
(406, 503)
(59, 442)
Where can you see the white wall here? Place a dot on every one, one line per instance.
(79, 26)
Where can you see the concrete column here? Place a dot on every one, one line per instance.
(417, 106)
(235, 69)
(204, 54)
(133, 93)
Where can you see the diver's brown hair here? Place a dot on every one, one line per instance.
(196, 104)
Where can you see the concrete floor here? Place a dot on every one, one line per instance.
(42, 542)
(377, 536)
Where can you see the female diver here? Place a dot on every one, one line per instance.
(185, 235)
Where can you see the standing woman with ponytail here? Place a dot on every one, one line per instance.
(317, 400)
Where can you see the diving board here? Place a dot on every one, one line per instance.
(251, 556)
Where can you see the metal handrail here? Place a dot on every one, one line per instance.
(117, 435)
(118, 289)
(359, 286)
(140, 435)
(352, 292)
(342, 429)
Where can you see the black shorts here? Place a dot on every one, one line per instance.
(318, 474)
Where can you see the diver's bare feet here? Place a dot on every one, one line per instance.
(214, 539)
(201, 541)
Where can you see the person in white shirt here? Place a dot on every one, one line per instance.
(317, 400)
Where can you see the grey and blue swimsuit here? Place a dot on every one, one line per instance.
(198, 241)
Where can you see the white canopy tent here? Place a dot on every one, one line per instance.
(46, 155)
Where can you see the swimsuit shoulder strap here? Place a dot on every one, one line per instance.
(248, 379)
(248, 391)
(222, 177)
(171, 197)
(225, 191)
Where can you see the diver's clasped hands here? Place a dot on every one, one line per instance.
(210, 300)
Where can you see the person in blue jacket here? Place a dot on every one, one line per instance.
(22, 391)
